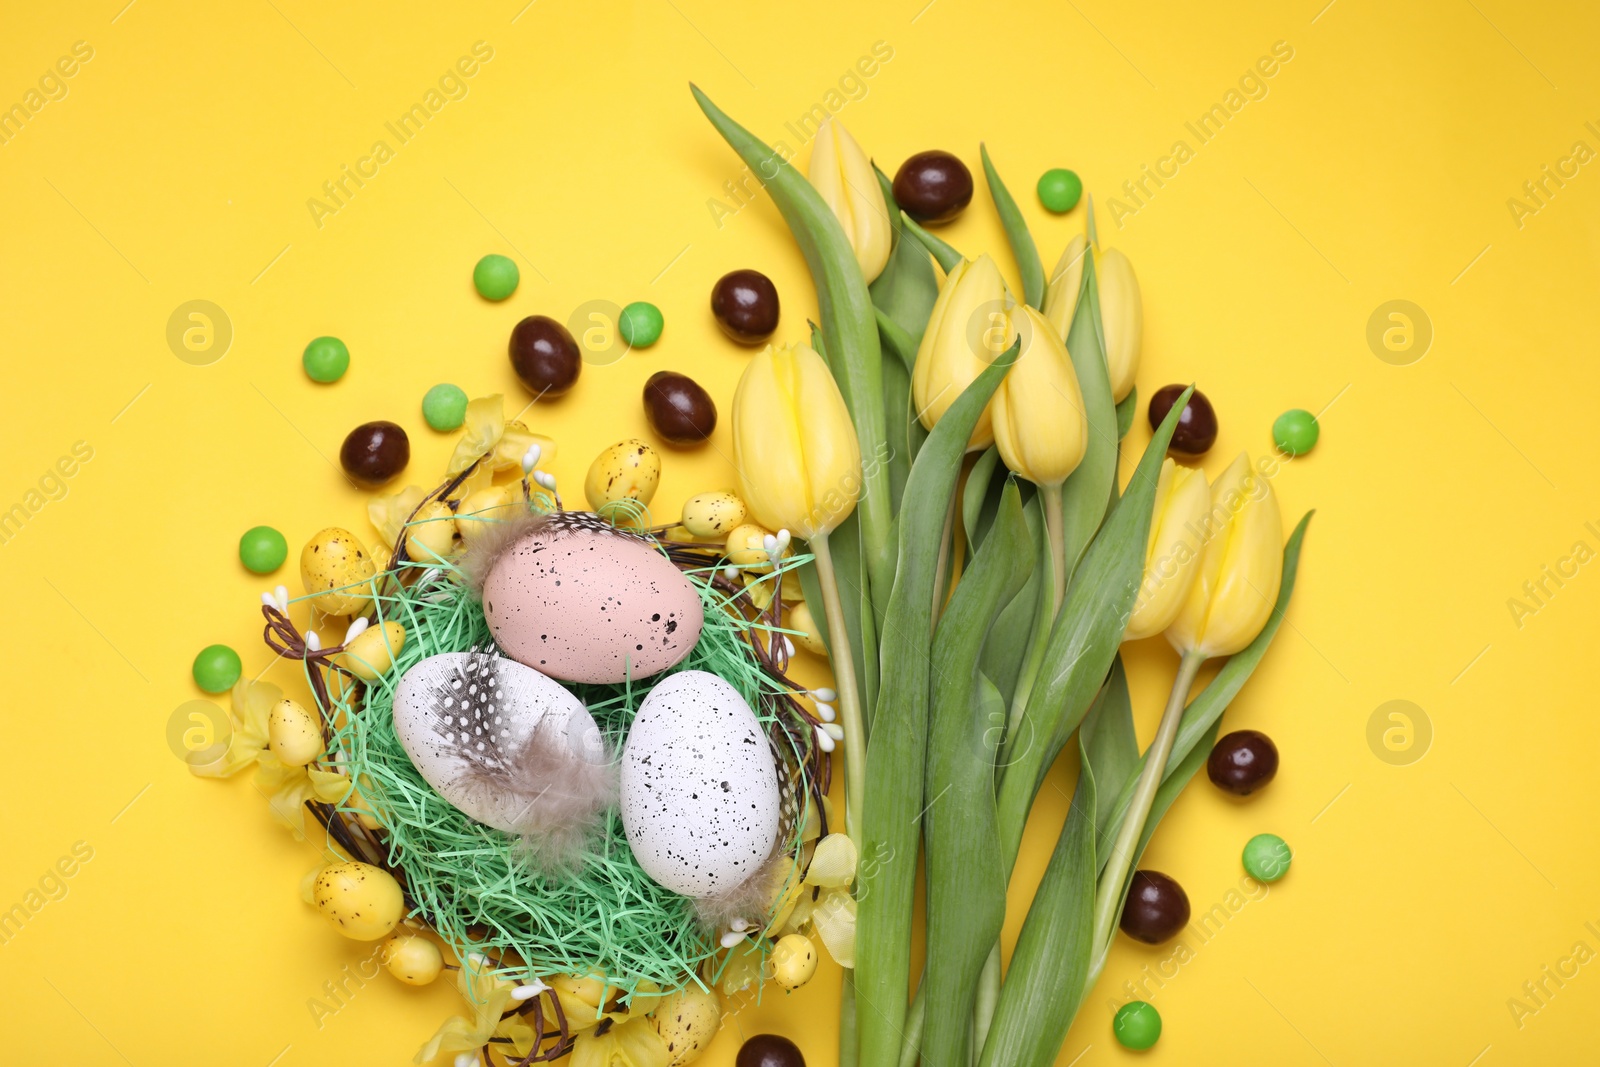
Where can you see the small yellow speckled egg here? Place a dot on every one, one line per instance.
(746, 547)
(794, 961)
(363, 901)
(810, 637)
(628, 470)
(372, 652)
(332, 565)
(687, 1021)
(293, 733)
(431, 532)
(713, 515)
(413, 959)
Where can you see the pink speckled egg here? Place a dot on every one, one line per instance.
(581, 601)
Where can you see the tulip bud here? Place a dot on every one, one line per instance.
(1177, 546)
(1038, 410)
(1121, 308)
(793, 443)
(1061, 296)
(969, 326)
(1238, 579)
(844, 178)
(1122, 316)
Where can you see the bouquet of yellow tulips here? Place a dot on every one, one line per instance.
(932, 421)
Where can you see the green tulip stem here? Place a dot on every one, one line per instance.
(844, 675)
(911, 1048)
(1109, 898)
(1055, 522)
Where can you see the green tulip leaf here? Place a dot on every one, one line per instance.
(848, 326)
(1011, 635)
(947, 256)
(891, 817)
(965, 881)
(1087, 490)
(1050, 964)
(1084, 639)
(1021, 241)
(1127, 409)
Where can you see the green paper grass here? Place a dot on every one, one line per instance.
(466, 878)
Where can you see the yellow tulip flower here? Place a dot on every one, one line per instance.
(843, 176)
(1038, 411)
(1122, 316)
(794, 445)
(969, 326)
(1061, 296)
(1176, 547)
(1121, 307)
(1237, 582)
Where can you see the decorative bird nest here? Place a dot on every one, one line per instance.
(468, 881)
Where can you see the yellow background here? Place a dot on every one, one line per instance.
(1377, 167)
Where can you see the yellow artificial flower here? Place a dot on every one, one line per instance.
(794, 444)
(826, 907)
(1237, 581)
(287, 788)
(388, 513)
(487, 430)
(489, 996)
(844, 178)
(1038, 409)
(1176, 547)
(970, 326)
(634, 1043)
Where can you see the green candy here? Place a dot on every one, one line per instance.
(326, 359)
(216, 668)
(445, 407)
(640, 324)
(1059, 190)
(1296, 432)
(1137, 1025)
(495, 277)
(1267, 857)
(262, 549)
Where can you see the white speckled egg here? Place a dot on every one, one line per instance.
(700, 800)
(508, 746)
(581, 601)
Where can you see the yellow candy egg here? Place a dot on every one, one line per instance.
(687, 1021)
(794, 961)
(333, 565)
(293, 734)
(713, 515)
(412, 959)
(628, 470)
(746, 547)
(431, 532)
(810, 637)
(482, 511)
(373, 651)
(358, 803)
(363, 901)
